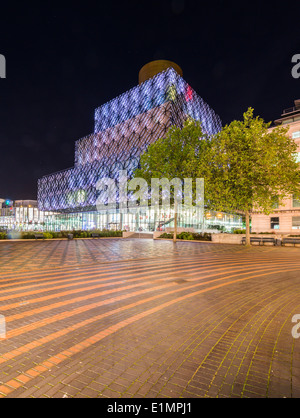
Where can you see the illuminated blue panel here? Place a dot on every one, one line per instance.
(124, 127)
(151, 93)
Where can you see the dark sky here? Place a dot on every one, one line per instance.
(63, 61)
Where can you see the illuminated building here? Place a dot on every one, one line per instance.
(123, 128)
(21, 215)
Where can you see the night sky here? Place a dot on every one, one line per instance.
(64, 61)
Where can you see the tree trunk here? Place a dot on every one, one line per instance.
(247, 228)
(175, 223)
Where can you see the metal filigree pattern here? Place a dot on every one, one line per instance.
(124, 127)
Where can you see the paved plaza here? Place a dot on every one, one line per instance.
(122, 318)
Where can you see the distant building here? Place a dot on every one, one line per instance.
(21, 215)
(286, 218)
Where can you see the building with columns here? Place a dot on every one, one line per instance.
(286, 218)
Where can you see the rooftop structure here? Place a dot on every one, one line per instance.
(289, 115)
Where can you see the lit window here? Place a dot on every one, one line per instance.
(296, 201)
(274, 223)
(275, 202)
(296, 135)
(296, 222)
(297, 156)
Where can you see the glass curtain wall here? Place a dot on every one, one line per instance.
(147, 220)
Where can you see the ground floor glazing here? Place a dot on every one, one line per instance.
(147, 220)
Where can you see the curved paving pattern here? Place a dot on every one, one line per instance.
(142, 318)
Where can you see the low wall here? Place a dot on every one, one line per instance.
(127, 234)
(157, 234)
(179, 230)
(219, 238)
(237, 238)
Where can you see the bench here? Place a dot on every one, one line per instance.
(95, 235)
(290, 241)
(39, 236)
(260, 240)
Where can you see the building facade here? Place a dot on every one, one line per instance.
(21, 215)
(286, 218)
(123, 129)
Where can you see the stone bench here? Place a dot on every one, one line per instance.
(290, 241)
(260, 240)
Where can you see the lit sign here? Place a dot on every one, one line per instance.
(189, 94)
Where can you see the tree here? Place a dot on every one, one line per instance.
(177, 155)
(247, 165)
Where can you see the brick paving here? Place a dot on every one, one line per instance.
(115, 318)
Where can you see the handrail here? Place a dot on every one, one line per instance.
(291, 110)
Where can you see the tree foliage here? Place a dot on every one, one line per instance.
(177, 155)
(247, 165)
